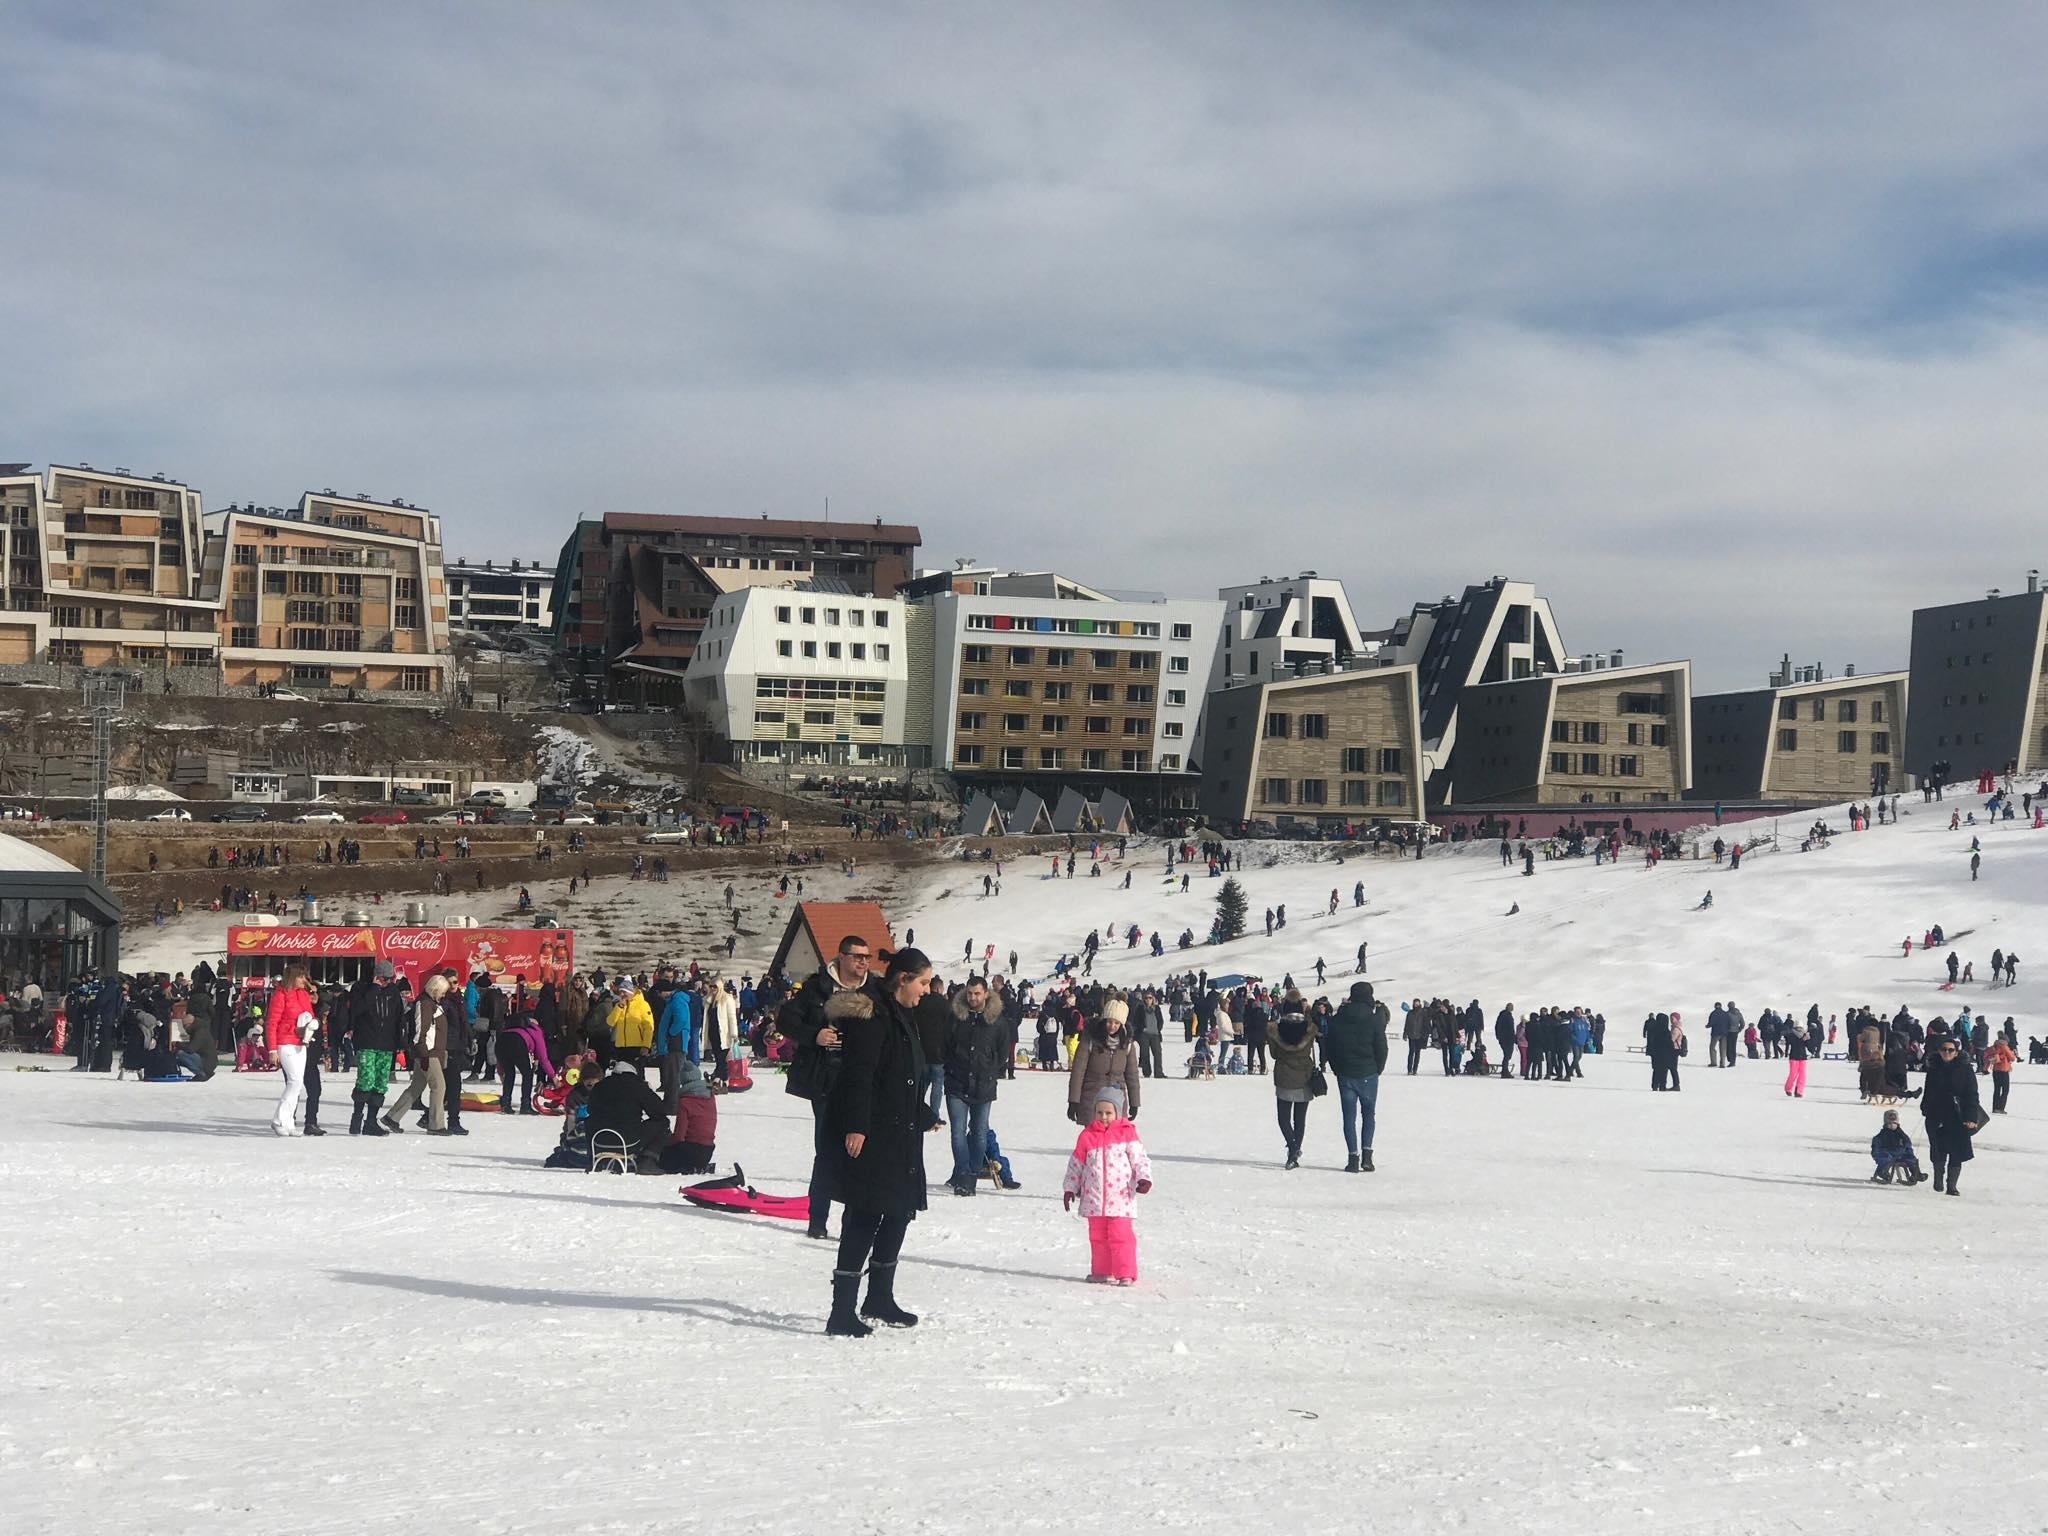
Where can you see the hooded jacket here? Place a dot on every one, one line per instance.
(976, 1050)
(1107, 1165)
(632, 1023)
(1293, 1047)
(1356, 1044)
(1102, 1059)
(879, 1095)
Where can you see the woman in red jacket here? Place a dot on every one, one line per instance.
(287, 1028)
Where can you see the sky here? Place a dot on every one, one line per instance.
(1726, 325)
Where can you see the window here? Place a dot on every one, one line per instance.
(1393, 792)
(858, 650)
(972, 720)
(1173, 663)
(1172, 729)
(831, 615)
(1275, 791)
(1020, 655)
(242, 637)
(1315, 792)
(811, 652)
(1880, 742)
(818, 717)
(1052, 725)
(1137, 693)
(1049, 757)
(1627, 766)
(973, 687)
(1354, 760)
(273, 582)
(1354, 792)
(1137, 726)
(1660, 734)
(1845, 741)
(306, 639)
(1134, 760)
(1095, 725)
(1099, 693)
(405, 616)
(408, 589)
(1169, 762)
(1176, 698)
(810, 616)
(856, 617)
(1276, 727)
(1390, 760)
(881, 618)
(1589, 732)
(1017, 688)
(1846, 711)
(1095, 760)
(416, 680)
(881, 653)
(1633, 738)
(1788, 741)
(871, 719)
(1061, 692)
(1788, 709)
(1013, 757)
(1820, 709)
(1560, 730)
(1877, 711)
(967, 757)
(1183, 631)
(785, 648)
(245, 554)
(1589, 762)
(1058, 657)
(1315, 727)
(768, 717)
(1016, 723)
(976, 655)
(1645, 704)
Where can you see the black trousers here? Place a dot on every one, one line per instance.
(1414, 1056)
(870, 1237)
(2001, 1087)
(821, 1169)
(1148, 1056)
(518, 1064)
(1293, 1123)
(312, 1083)
(1255, 1056)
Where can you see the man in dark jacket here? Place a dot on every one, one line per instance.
(1415, 1031)
(1504, 1037)
(818, 1054)
(1355, 1046)
(624, 1103)
(376, 1018)
(973, 1065)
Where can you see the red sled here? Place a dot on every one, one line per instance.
(732, 1193)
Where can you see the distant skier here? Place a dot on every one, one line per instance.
(1361, 959)
(1706, 901)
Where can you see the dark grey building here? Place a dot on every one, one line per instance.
(1979, 688)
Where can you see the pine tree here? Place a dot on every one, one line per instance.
(1230, 911)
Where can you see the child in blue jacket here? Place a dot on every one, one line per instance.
(1891, 1148)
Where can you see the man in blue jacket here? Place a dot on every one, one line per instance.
(678, 1034)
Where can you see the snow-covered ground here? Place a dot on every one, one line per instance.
(1556, 1308)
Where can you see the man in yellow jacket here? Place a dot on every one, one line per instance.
(632, 1024)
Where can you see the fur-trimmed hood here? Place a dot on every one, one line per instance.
(850, 1003)
(991, 1008)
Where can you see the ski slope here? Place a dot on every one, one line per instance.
(1557, 1308)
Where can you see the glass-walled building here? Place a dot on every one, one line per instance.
(56, 921)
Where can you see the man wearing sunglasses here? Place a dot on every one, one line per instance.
(817, 1062)
(1953, 1113)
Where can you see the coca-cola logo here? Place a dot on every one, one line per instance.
(416, 941)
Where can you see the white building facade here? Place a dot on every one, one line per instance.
(491, 596)
(1276, 628)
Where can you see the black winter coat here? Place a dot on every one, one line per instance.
(880, 1095)
(1949, 1100)
(377, 1016)
(1355, 1045)
(977, 1051)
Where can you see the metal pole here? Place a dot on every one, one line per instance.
(103, 699)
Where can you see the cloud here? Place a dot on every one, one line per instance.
(1703, 318)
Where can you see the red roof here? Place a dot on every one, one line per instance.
(831, 921)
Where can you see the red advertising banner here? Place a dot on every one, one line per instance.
(538, 954)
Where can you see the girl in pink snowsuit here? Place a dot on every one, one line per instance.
(1108, 1170)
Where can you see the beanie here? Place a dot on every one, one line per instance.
(1112, 1093)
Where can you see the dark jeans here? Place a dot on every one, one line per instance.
(1293, 1123)
(1660, 1071)
(2001, 1087)
(1358, 1096)
(1414, 1056)
(312, 1085)
(1148, 1056)
(969, 1125)
(821, 1168)
(1255, 1056)
(520, 1066)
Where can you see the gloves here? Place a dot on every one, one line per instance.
(1068, 1198)
(1144, 1186)
(1074, 1114)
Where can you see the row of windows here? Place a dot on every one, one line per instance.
(817, 688)
(855, 618)
(1845, 710)
(1093, 760)
(1317, 792)
(872, 719)
(1591, 733)
(1137, 629)
(1626, 765)
(1055, 725)
(835, 650)
(1061, 656)
(1845, 741)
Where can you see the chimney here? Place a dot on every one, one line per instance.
(1849, 670)
(2033, 581)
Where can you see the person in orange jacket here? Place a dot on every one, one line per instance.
(1999, 1058)
(288, 1025)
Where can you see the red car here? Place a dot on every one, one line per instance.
(382, 818)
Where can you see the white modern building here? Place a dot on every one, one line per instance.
(1035, 674)
(802, 676)
(494, 596)
(1281, 627)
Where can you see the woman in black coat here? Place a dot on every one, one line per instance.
(1953, 1112)
(878, 1111)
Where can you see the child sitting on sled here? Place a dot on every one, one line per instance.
(1892, 1149)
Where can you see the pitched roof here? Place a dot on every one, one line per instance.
(831, 921)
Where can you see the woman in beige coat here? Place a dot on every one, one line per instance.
(1104, 1053)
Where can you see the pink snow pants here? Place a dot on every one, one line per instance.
(1795, 1078)
(1112, 1247)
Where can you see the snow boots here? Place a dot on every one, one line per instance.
(1365, 1160)
(373, 1124)
(881, 1303)
(355, 1118)
(1351, 1164)
(842, 1324)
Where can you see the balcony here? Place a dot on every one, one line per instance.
(343, 560)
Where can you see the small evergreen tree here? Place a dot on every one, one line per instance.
(1230, 911)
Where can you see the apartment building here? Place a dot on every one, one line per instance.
(491, 596)
(637, 588)
(122, 558)
(1805, 737)
(1276, 626)
(1040, 675)
(1979, 675)
(24, 626)
(1617, 736)
(807, 677)
(1339, 748)
(343, 592)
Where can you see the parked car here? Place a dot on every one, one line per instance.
(455, 818)
(288, 696)
(578, 819)
(382, 818)
(403, 796)
(170, 813)
(485, 799)
(242, 813)
(520, 818)
(329, 818)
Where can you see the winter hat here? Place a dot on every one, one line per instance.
(385, 970)
(1112, 1093)
(1116, 1011)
